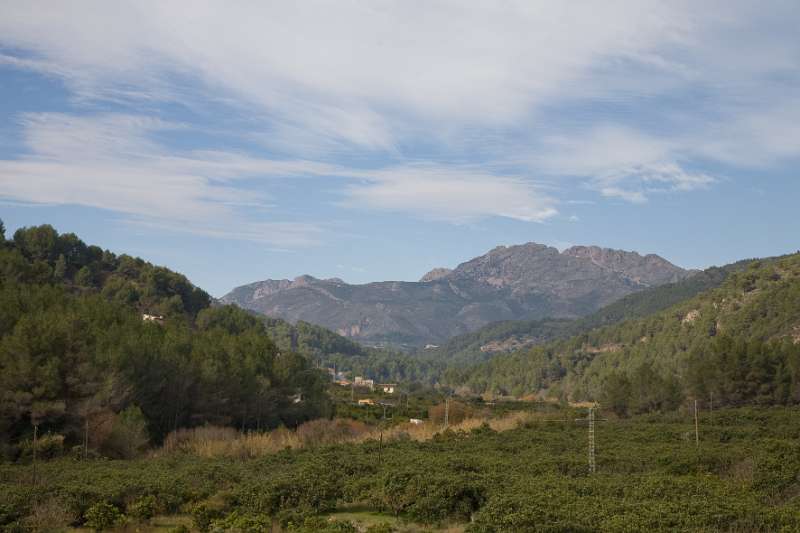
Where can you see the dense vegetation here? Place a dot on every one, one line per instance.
(738, 342)
(328, 349)
(650, 476)
(78, 360)
(466, 349)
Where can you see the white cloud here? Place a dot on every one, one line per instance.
(110, 162)
(622, 163)
(364, 74)
(688, 81)
(450, 193)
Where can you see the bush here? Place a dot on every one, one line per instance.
(143, 509)
(49, 515)
(317, 524)
(128, 434)
(429, 499)
(48, 446)
(203, 515)
(383, 527)
(102, 516)
(242, 522)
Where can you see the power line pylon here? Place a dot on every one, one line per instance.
(591, 419)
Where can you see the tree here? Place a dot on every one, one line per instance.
(60, 268)
(2, 231)
(128, 434)
(616, 393)
(38, 243)
(84, 277)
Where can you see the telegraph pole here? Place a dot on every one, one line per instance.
(35, 445)
(696, 427)
(592, 463)
(711, 408)
(86, 438)
(446, 411)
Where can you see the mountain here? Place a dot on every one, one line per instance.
(513, 335)
(739, 341)
(529, 281)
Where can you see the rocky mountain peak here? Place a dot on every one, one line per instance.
(436, 273)
(526, 281)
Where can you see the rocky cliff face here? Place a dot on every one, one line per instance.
(528, 281)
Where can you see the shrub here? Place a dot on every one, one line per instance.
(143, 509)
(128, 435)
(317, 524)
(383, 527)
(49, 515)
(203, 515)
(428, 499)
(241, 522)
(48, 446)
(101, 516)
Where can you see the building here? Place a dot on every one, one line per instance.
(388, 388)
(366, 401)
(359, 381)
(415, 421)
(158, 319)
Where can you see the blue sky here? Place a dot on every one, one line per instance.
(377, 140)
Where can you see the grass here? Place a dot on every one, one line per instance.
(213, 441)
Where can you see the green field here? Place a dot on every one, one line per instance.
(650, 475)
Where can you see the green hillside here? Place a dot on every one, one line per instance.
(78, 359)
(510, 335)
(738, 342)
(328, 349)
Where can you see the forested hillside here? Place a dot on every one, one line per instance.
(78, 359)
(514, 335)
(328, 349)
(739, 342)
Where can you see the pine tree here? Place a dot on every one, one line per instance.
(84, 277)
(60, 268)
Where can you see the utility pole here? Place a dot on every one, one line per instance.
(711, 408)
(353, 391)
(592, 463)
(35, 445)
(86, 438)
(446, 412)
(696, 427)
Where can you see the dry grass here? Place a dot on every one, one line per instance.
(214, 441)
(50, 515)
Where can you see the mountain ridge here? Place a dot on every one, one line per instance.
(526, 281)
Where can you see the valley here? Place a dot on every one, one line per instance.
(132, 399)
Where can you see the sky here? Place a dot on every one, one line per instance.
(241, 141)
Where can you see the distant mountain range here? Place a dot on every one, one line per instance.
(524, 282)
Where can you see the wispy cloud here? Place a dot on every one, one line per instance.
(680, 84)
(621, 163)
(110, 162)
(451, 193)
